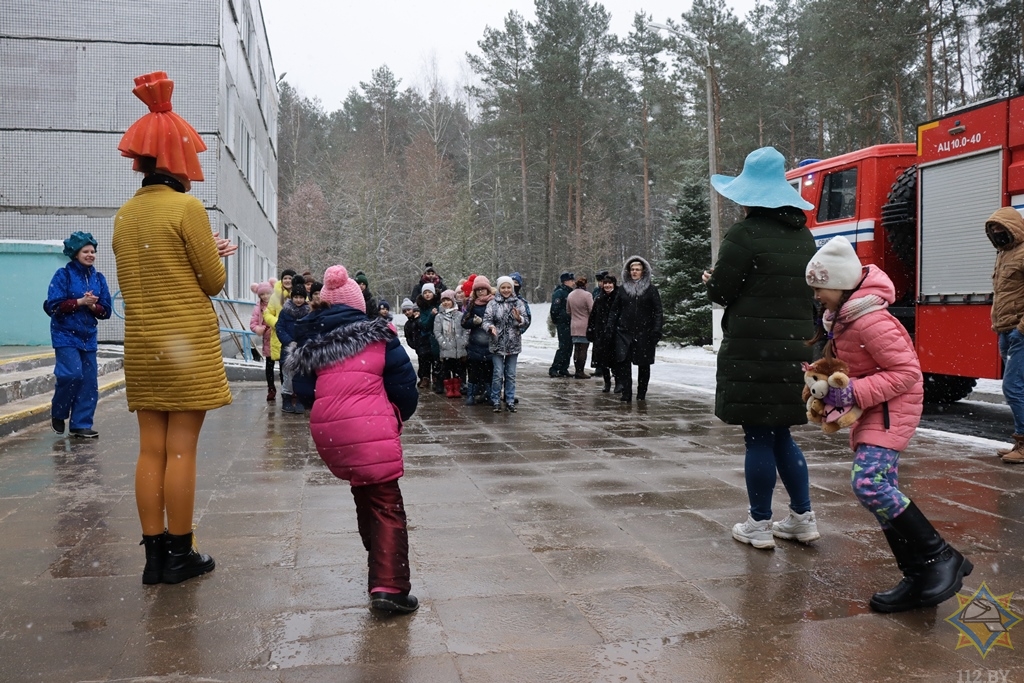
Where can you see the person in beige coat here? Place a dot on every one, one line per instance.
(579, 304)
(168, 265)
(1005, 229)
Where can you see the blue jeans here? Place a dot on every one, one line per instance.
(1011, 348)
(77, 390)
(770, 449)
(504, 371)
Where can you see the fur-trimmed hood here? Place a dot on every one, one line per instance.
(337, 345)
(640, 286)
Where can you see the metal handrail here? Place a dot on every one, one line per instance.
(246, 334)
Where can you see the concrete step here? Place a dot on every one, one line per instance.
(26, 362)
(25, 412)
(27, 383)
(38, 380)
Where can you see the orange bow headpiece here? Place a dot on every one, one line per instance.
(161, 133)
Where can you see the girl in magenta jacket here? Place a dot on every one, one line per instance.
(362, 387)
(886, 383)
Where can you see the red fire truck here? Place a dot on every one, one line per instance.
(918, 211)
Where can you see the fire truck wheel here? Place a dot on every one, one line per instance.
(899, 218)
(946, 388)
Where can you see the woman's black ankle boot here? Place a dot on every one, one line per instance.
(154, 571)
(183, 561)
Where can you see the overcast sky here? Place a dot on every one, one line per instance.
(326, 47)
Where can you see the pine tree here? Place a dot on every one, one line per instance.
(687, 252)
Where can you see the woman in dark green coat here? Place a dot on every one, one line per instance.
(759, 279)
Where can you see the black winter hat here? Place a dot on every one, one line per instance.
(567, 275)
(298, 287)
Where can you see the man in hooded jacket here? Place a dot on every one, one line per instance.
(1005, 229)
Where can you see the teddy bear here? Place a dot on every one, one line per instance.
(820, 376)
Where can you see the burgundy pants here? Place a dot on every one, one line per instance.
(381, 517)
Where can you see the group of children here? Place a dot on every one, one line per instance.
(467, 340)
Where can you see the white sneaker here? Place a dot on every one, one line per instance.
(757, 534)
(802, 527)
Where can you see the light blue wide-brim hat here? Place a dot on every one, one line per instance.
(762, 182)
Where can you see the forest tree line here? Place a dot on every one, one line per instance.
(570, 148)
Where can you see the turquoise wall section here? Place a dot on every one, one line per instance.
(26, 269)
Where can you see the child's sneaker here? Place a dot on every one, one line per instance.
(757, 534)
(511, 407)
(802, 527)
(497, 406)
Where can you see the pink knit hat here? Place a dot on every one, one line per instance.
(481, 281)
(263, 287)
(448, 294)
(340, 289)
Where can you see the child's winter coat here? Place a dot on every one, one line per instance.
(258, 326)
(362, 387)
(888, 382)
(412, 332)
(451, 336)
(426, 344)
(290, 314)
(498, 316)
(478, 347)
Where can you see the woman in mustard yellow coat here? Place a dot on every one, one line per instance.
(168, 265)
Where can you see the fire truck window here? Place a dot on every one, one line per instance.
(838, 196)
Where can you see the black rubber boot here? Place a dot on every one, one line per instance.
(396, 603)
(154, 571)
(905, 592)
(607, 383)
(940, 569)
(182, 561)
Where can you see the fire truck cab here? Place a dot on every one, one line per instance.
(918, 212)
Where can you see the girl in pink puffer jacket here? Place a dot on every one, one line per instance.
(354, 374)
(887, 384)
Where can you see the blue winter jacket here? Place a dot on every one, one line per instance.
(399, 374)
(286, 322)
(75, 326)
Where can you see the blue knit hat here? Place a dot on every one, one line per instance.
(74, 244)
(762, 183)
(518, 278)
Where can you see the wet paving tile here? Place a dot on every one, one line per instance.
(590, 569)
(494, 575)
(472, 540)
(514, 623)
(349, 636)
(653, 611)
(594, 546)
(559, 534)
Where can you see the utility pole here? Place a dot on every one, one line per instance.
(717, 312)
(716, 233)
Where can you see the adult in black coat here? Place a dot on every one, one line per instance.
(600, 334)
(636, 316)
(759, 279)
(431, 276)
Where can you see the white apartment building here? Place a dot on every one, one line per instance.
(66, 76)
